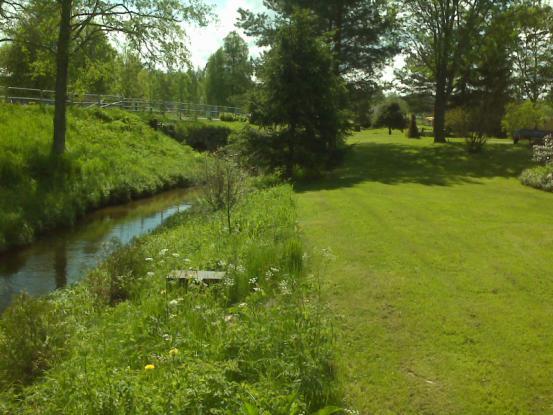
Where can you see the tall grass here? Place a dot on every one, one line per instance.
(112, 156)
(256, 343)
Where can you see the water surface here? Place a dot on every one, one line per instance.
(65, 256)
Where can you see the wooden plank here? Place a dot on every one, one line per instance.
(206, 277)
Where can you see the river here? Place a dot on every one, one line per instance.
(65, 256)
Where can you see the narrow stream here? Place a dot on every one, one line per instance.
(65, 256)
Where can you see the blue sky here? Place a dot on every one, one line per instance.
(205, 41)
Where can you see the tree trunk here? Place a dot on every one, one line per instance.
(389, 131)
(62, 70)
(291, 151)
(439, 110)
(339, 25)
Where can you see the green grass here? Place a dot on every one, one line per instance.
(112, 156)
(255, 344)
(443, 282)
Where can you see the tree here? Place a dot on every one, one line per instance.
(527, 115)
(238, 67)
(229, 72)
(362, 96)
(151, 27)
(439, 33)
(484, 82)
(29, 61)
(216, 79)
(390, 115)
(412, 129)
(300, 96)
(533, 50)
(129, 68)
(361, 33)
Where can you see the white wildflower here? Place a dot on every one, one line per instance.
(284, 287)
(149, 259)
(328, 254)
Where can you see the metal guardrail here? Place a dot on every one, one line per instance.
(17, 95)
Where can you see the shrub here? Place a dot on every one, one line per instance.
(412, 129)
(468, 124)
(541, 177)
(31, 340)
(460, 122)
(258, 148)
(224, 185)
(474, 142)
(203, 137)
(391, 116)
(527, 115)
(543, 154)
(228, 117)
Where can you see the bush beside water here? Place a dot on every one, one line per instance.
(112, 156)
(256, 343)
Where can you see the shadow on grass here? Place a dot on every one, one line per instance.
(432, 165)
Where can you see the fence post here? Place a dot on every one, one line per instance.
(7, 93)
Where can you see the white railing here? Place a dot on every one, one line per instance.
(17, 95)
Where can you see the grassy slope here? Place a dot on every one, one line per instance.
(112, 156)
(215, 350)
(443, 277)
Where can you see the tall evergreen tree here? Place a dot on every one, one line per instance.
(362, 33)
(299, 96)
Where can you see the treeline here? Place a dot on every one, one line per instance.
(478, 56)
(320, 74)
(97, 66)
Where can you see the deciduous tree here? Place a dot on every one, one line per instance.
(439, 33)
(151, 27)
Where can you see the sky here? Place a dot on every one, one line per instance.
(203, 42)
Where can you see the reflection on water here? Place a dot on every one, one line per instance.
(66, 256)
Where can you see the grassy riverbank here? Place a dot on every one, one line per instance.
(125, 341)
(443, 277)
(112, 156)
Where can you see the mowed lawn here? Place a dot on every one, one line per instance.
(443, 281)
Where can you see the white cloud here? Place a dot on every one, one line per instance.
(203, 42)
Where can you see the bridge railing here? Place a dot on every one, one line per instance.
(25, 96)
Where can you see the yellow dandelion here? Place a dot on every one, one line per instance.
(174, 351)
(149, 367)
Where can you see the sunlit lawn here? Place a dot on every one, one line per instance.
(443, 281)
